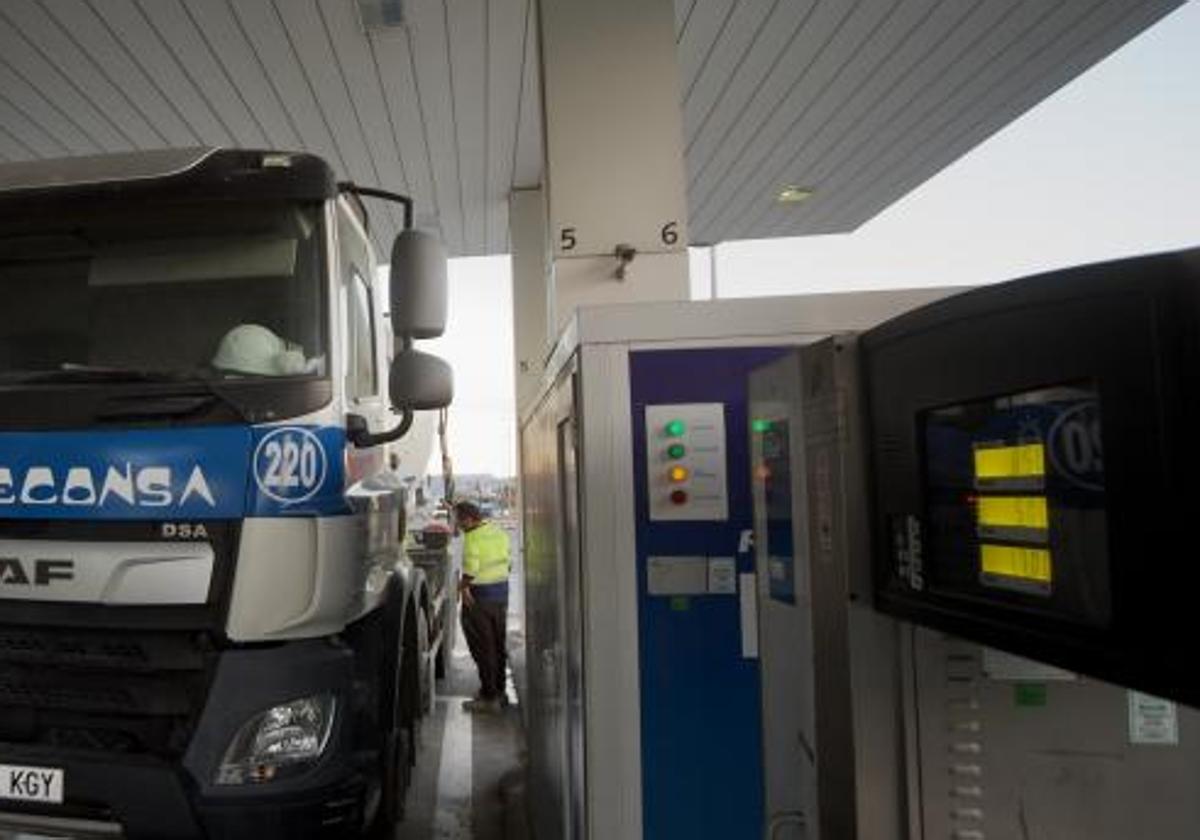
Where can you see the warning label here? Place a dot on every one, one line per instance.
(1152, 720)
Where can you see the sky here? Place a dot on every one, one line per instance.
(1108, 166)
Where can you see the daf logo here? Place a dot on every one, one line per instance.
(17, 572)
(151, 486)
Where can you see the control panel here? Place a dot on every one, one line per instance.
(685, 464)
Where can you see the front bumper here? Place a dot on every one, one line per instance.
(154, 798)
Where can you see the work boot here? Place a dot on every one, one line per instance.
(482, 705)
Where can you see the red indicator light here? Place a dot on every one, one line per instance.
(679, 497)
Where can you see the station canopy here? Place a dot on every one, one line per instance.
(854, 101)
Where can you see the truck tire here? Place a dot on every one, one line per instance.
(426, 661)
(394, 779)
(441, 664)
(417, 677)
(397, 750)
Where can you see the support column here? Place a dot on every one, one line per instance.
(613, 153)
(531, 277)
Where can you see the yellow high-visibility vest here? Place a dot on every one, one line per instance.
(485, 554)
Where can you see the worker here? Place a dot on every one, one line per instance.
(484, 592)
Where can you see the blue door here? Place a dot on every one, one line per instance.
(700, 706)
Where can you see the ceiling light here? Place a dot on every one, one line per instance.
(380, 14)
(793, 194)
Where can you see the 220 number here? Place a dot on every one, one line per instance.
(291, 463)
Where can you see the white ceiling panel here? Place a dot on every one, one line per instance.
(30, 25)
(527, 163)
(174, 80)
(860, 100)
(870, 98)
(976, 116)
(63, 132)
(506, 28)
(467, 45)
(395, 66)
(241, 64)
(428, 38)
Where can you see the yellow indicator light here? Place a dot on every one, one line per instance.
(1014, 511)
(1011, 561)
(678, 474)
(1010, 461)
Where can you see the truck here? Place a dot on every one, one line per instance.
(208, 624)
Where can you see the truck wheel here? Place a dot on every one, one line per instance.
(394, 778)
(442, 664)
(416, 679)
(425, 663)
(395, 774)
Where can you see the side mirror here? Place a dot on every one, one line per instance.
(418, 286)
(417, 382)
(420, 382)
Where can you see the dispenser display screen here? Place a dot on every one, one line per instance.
(775, 472)
(1016, 502)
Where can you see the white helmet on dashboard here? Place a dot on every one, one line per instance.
(254, 349)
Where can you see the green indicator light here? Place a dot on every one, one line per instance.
(675, 428)
(761, 426)
(676, 450)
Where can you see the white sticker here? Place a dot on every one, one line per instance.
(1006, 667)
(1152, 720)
(722, 576)
(677, 575)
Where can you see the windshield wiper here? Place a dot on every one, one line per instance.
(167, 405)
(83, 373)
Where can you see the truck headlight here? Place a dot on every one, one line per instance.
(291, 733)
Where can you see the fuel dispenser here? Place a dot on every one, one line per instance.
(940, 566)
(1035, 456)
(831, 683)
(642, 683)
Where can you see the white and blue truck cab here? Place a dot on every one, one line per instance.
(208, 628)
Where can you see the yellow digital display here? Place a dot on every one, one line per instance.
(1013, 512)
(1019, 562)
(998, 462)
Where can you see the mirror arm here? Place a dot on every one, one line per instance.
(359, 433)
(386, 195)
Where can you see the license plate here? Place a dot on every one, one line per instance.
(31, 784)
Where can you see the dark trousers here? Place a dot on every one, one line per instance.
(485, 625)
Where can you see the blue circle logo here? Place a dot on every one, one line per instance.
(290, 465)
(1077, 447)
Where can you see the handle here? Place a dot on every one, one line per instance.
(786, 818)
(748, 604)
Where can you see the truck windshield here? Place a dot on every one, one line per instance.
(206, 291)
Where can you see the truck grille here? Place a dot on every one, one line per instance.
(101, 691)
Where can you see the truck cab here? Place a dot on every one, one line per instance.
(208, 627)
